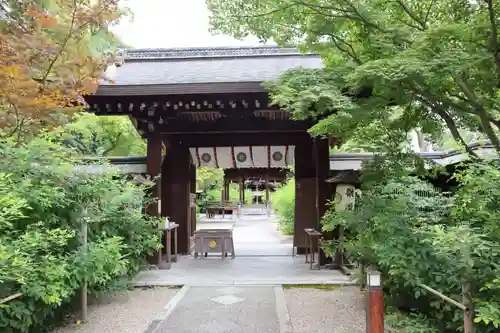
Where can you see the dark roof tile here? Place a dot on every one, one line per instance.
(205, 65)
(206, 52)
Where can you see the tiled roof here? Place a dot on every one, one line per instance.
(206, 52)
(202, 66)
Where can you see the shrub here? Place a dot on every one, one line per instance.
(43, 202)
(284, 205)
(436, 239)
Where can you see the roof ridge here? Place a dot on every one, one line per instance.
(207, 52)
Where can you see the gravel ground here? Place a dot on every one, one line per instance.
(123, 313)
(326, 311)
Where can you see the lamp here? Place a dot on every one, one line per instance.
(373, 279)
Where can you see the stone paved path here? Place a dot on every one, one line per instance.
(241, 295)
(263, 257)
(224, 310)
(258, 236)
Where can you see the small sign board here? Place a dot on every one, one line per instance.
(192, 200)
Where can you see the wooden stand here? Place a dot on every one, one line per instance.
(167, 232)
(312, 236)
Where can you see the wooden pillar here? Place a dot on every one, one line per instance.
(153, 166)
(267, 190)
(192, 191)
(323, 189)
(242, 191)
(226, 191)
(374, 303)
(322, 163)
(243, 187)
(312, 167)
(176, 190)
(305, 192)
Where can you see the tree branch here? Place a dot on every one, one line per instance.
(65, 42)
(454, 130)
(16, 112)
(450, 123)
(345, 14)
(494, 35)
(428, 11)
(268, 13)
(411, 15)
(481, 112)
(351, 52)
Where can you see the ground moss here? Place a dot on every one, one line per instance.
(312, 286)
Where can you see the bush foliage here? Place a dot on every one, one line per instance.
(284, 205)
(43, 202)
(416, 235)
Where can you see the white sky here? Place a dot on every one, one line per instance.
(171, 23)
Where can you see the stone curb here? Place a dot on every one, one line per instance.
(282, 311)
(242, 283)
(167, 310)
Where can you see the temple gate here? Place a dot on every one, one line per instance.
(191, 104)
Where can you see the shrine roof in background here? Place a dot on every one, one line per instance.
(200, 70)
(338, 161)
(270, 174)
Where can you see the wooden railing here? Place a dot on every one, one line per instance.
(375, 303)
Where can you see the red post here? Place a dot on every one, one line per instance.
(374, 303)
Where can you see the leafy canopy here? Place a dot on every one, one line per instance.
(432, 65)
(92, 135)
(51, 55)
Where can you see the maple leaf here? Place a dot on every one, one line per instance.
(47, 61)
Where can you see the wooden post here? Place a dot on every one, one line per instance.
(84, 231)
(176, 191)
(267, 192)
(467, 301)
(374, 303)
(192, 186)
(362, 272)
(226, 191)
(242, 191)
(322, 170)
(305, 190)
(153, 165)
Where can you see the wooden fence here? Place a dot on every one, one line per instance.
(375, 303)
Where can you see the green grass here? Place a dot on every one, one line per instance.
(312, 286)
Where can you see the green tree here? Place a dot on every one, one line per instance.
(53, 51)
(43, 202)
(427, 65)
(209, 178)
(417, 235)
(101, 136)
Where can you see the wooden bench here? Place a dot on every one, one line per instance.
(221, 208)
